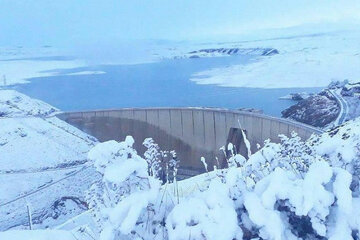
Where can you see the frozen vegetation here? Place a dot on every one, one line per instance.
(290, 190)
(223, 51)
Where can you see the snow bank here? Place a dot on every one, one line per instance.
(15, 104)
(111, 159)
(20, 71)
(210, 215)
(37, 235)
(126, 190)
(85, 73)
(341, 146)
(32, 138)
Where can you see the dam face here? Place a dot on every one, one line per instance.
(192, 132)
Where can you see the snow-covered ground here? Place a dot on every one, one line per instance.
(44, 141)
(42, 163)
(354, 107)
(17, 64)
(37, 235)
(309, 60)
(86, 73)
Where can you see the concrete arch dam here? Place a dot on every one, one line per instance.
(192, 132)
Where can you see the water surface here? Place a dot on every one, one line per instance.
(159, 84)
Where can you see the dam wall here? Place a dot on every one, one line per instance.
(192, 132)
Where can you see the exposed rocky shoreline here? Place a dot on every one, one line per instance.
(219, 52)
(322, 109)
(319, 110)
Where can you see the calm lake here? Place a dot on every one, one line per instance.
(160, 84)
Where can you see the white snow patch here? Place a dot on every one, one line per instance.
(32, 138)
(209, 215)
(37, 235)
(85, 73)
(304, 61)
(17, 65)
(20, 71)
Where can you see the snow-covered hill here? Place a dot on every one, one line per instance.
(41, 140)
(42, 163)
(312, 59)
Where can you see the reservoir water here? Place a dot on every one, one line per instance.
(159, 84)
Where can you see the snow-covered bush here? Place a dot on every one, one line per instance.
(284, 206)
(287, 190)
(126, 192)
(208, 215)
(291, 154)
(153, 156)
(161, 164)
(341, 146)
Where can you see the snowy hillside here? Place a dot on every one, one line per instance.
(312, 59)
(29, 126)
(41, 159)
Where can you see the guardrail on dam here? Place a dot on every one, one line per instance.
(191, 132)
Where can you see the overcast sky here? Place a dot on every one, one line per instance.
(63, 22)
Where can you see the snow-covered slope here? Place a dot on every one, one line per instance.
(309, 60)
(32, 138)
(42, 163)
(37, 235)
